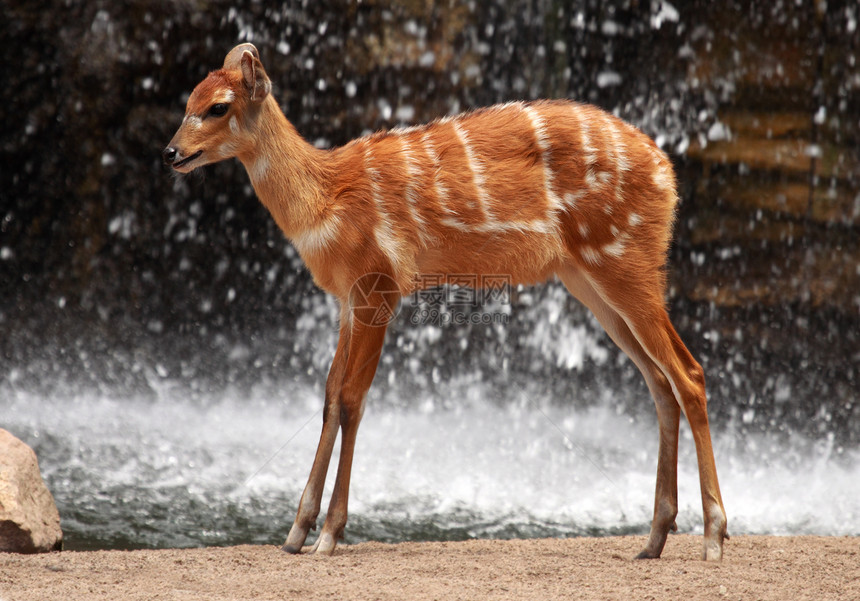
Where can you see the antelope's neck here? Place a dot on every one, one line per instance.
(288, 174)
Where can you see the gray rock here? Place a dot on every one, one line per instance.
(29, 520)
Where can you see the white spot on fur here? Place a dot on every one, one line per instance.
(514, 104)
(619, 149)
(540, 226)
(227, 149)
(584, 230)
(590, 255)
(589, 151)
(475, 166)
(634, 219)
(538, 127)
(456, 224)
(193, 121)
(571, 198)
(441, 192)
(259, 169)
(543, 143)
(413, 171)
(318, 237)
(615, 249)
(402, 130)
(383, 231)
(618, 152)
(663, 179)
(234, 124)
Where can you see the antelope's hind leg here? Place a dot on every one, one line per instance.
(668, 411)
(675, 381)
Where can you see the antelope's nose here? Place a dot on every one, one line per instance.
(169, 155)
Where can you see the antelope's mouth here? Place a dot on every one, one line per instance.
(186, 160)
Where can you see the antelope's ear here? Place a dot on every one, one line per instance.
(234, 57)
(255, 78)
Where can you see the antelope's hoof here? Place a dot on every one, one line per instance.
(713, 550)
(324, 545)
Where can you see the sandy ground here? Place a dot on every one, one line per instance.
(755, 567)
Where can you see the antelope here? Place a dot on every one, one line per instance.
(527, 189)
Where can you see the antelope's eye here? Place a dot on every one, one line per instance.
(218, 110)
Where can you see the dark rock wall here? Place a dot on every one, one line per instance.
(758, 103)
(778, 179)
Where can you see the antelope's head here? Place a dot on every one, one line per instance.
(221, 113)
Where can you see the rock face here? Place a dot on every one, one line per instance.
(29, 521)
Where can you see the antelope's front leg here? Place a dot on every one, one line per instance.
(309, 505)
(365, 348)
